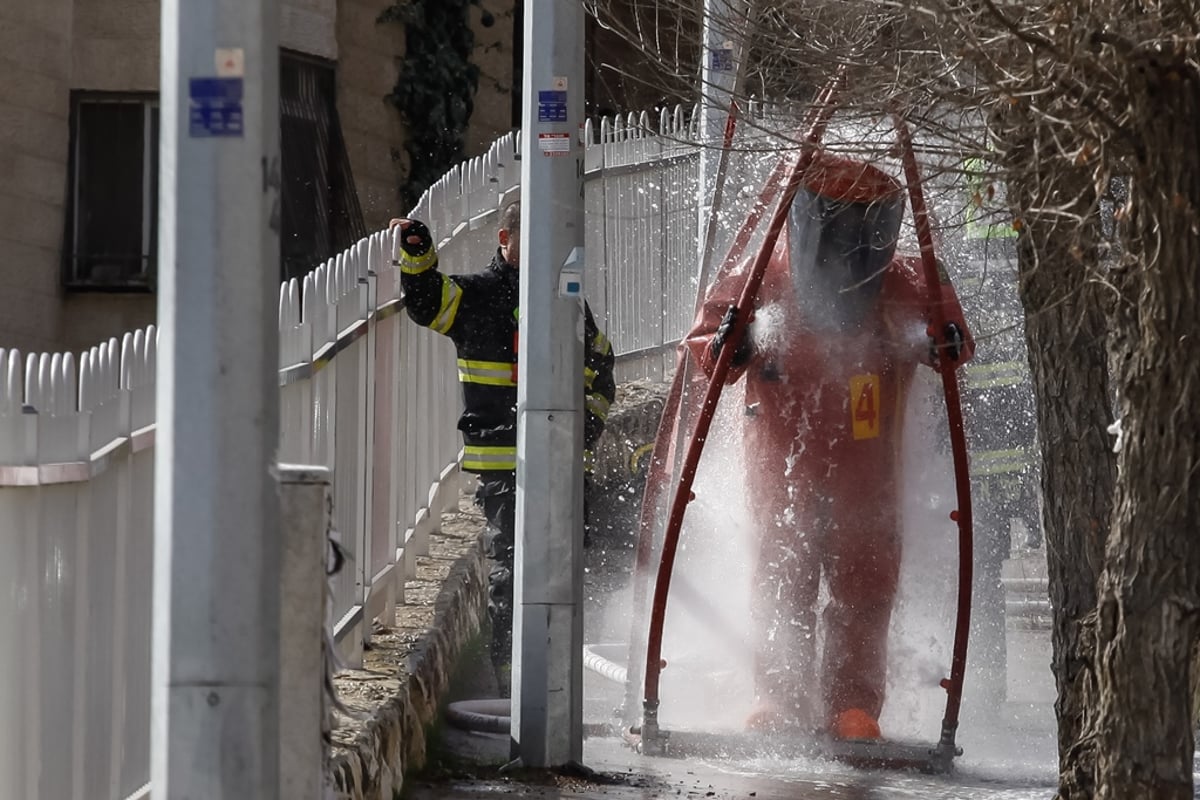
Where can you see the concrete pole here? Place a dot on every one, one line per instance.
(215, 708)
(547, 709)
(721, 58)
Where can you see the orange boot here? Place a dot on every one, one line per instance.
(854, 723)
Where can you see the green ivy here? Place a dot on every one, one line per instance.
(435, 90)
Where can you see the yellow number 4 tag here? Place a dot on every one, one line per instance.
(864, 406)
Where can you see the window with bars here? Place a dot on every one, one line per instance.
(112, 223)
(112, 219)
(321, 213)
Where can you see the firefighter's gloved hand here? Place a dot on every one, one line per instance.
(745, 349)
(952, 343)
(955, 341)
(723, 330)
(413, 240)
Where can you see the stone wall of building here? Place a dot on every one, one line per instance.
(492, 23)
(368, 62)
(35, 57)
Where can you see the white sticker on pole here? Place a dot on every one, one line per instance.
(554, 144)
(570, 277)
(230, 62)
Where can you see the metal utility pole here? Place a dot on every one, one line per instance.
(215, 708)
(720, 67)
(547, 706)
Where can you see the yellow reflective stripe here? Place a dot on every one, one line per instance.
(415, 265)
(451, 297)
(976, 230)
(589, 461)
(598, 405)
(991, 383)
(600, 344)
(589, 377)
(484, 457)
(997, 366)
(490, 373)
(1002, 373)
(998, 462)
(635, 458)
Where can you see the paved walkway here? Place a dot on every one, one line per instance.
(1013, 759)
(626, 776)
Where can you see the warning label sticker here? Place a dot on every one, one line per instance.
(554, 144)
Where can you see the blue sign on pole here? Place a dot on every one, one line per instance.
(552, 106)
(721, 59)
(215, 107)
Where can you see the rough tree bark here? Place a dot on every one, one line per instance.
(1150, 591)
(1065, 333)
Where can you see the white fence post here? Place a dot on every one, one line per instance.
(20, 736)
(304, 520)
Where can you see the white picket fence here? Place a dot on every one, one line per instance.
(362, 391)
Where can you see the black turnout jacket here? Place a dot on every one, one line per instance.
(479, 313)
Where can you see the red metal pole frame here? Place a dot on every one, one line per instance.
(683, 490)
(958, 440)
(672, 425)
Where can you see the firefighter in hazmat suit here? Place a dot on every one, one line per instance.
(838, 329)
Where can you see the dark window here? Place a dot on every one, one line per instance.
(112, 223)
(112, 220)
(321, 214)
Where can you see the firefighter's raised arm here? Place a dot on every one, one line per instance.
(431, 298)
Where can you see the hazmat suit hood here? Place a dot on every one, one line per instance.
(842, 228)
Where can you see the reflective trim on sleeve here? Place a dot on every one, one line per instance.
(999, 462)
(589, 377)
(451, 297)
(1000, 373)
(415, 265)
(597, 405)
(489, 373)
(479, 458)
(601, 345)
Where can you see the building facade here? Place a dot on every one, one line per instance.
(79, 158)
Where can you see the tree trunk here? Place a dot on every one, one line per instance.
(1150, 592)
(1065, 334)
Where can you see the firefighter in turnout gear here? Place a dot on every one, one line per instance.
(1001, 426)
(479, 313)
(838, 329)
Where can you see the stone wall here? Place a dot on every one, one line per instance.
(369, 58)
(493, 55)
(408, 668)
(35, 56)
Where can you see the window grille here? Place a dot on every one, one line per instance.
(321, 213)
(112, 219)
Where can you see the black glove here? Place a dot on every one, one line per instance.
(744, 351)
(954, 343)
(723, 331)
(414, 238)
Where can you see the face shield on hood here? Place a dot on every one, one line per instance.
(843, 227)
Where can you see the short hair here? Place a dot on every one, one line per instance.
(510, 217)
